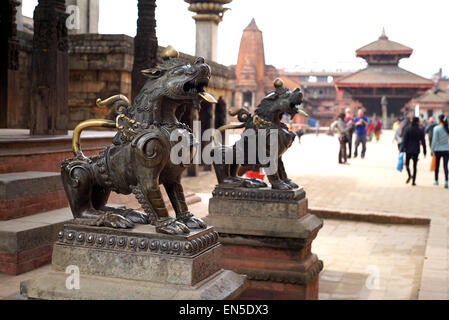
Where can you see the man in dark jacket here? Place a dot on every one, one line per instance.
(413, 138)
(405, 122)
(429, 129)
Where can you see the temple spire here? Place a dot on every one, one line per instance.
(252, 25)
(383, 36)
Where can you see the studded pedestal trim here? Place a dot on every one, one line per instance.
(268, 195)
(138, 244)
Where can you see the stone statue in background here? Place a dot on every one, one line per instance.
(139, 158)
(267, 117)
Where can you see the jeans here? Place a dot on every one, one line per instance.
(445, 156)
(360, 138)
(414, 157)
(342, 156)
(349, 142)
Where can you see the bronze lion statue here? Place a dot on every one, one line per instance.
(138, 160)
(266, 120)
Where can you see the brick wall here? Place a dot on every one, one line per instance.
(100, 66)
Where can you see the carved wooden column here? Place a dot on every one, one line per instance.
(9, 65)
(145, 43)
(49, 104)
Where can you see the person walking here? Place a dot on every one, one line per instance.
(317, 128)
(299, 133)
(349, 119)
(440, 147)
(377, 129)
(413, 138)
(369, 130)
(342, 130)
(405, 122)
(361, 123)
(396, 124)
(429, 129)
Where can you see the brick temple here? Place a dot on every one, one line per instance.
(254, 79)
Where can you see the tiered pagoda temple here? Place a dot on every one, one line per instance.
(383, 78)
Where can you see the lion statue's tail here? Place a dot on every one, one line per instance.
(242, 114)
(119, 103)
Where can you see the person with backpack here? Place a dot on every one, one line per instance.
(440, 147)
(413, 138)
(377, 129)
(340, 125)
(349, 119)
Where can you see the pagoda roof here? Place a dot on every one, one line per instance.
(384, 46)
(433, 96)
(384, 76)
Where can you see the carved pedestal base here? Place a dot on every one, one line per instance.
(135, 264)
(267, 235)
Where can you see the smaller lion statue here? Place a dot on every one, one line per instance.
(267, 118)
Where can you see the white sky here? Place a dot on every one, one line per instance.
(304, 35)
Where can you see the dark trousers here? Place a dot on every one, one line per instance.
(349, 142)
(445, 156)
(342, 156)
(414, 157)
(360, 138)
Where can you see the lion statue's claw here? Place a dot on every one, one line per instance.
(136, 216)
(191, 221)
(171, 226)
(114, 220)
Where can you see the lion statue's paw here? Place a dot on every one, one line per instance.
(281, 185)
(191, 221)
(114, 220)
(291, 183)
(136, 216)
(171, 226)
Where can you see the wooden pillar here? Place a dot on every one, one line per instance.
(50, 70)
(9, 65)
(145, 44)
(384, 104)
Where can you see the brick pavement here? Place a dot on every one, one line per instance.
(370, 261)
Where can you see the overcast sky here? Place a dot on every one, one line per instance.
(300, 34)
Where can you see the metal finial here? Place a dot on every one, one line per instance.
(169, 52)
(278, 83)
(383, 36)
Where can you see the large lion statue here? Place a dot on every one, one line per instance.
(138, 161)
(267, 120)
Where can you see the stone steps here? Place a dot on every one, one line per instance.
(30, 192)
(33, 209)
(26, 243)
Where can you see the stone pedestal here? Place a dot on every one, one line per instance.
(135, 264)
(267, 235)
